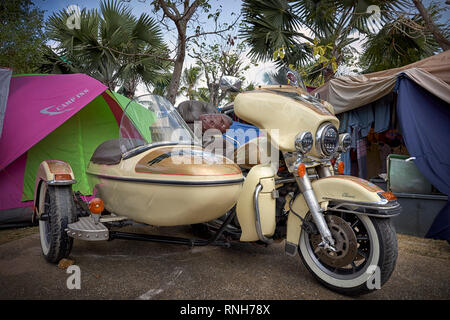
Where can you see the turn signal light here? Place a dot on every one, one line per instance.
(301, 170)
(96, 206)
(389, 196)
(63, 176)
(341, 167)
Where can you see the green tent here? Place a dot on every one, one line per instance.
(76, 140)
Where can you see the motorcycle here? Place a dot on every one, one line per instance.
(158, 173)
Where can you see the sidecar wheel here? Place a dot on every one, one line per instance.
(59, 210)
(371, 247)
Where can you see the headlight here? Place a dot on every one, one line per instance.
(327, 139)
(345, 140)
(304, 142)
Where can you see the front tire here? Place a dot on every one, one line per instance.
(59, 209)
(375, 250)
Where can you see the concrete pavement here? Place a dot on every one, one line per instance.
(138, 270)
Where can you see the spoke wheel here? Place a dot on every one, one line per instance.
(362, 244)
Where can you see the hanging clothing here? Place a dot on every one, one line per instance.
(361, 151)
(382, 113)
(362, 118)
(343, 122)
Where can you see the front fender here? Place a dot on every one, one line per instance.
(51, 172)
(340, 189)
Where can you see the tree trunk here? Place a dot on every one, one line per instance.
(328, 74)
(214, 94)
(181, 21)
(438, 36)
(177, 68)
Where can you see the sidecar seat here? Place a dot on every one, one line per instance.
(107, 153)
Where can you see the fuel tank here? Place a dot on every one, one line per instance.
(168, 185)
(284, 112)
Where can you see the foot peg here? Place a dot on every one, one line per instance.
(86, 229)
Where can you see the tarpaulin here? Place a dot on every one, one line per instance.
(425, 124)
(349, 92)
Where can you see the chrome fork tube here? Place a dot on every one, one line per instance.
(308, 193)
(323, 171)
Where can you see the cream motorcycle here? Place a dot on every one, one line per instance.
(158, 174)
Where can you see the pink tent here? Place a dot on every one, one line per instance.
(36, 127)
(50, 100)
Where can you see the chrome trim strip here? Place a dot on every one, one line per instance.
(392, 209)
(381, 203)
(386, 215)
(61, 182)
(261, 236)
(171, 182)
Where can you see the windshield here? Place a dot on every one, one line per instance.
(282, 76)
(150, 119)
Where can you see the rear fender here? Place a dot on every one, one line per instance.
(340, 190)
(50, 172)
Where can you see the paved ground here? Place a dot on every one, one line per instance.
(137, 270)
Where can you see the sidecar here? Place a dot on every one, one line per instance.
(155, 173)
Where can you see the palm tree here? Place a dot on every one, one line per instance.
(295, 25)
(189, 80)
(398, 43)
(112, 46)
(202, 94)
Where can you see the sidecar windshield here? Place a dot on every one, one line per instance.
(150, 120)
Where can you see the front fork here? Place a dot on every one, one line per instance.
(307, 191)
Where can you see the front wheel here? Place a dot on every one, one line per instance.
(58, 210)
(365, 256)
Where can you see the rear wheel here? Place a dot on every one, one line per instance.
(365, 256)
(58, 210)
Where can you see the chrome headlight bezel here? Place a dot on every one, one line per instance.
(345, 141)
(304, 142)
(321, 135)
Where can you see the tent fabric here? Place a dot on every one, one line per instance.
(11, 185)
(5, 78)
(69, 129)
(350, 92)
(74, 142)
(424, 121)
(49, 104)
